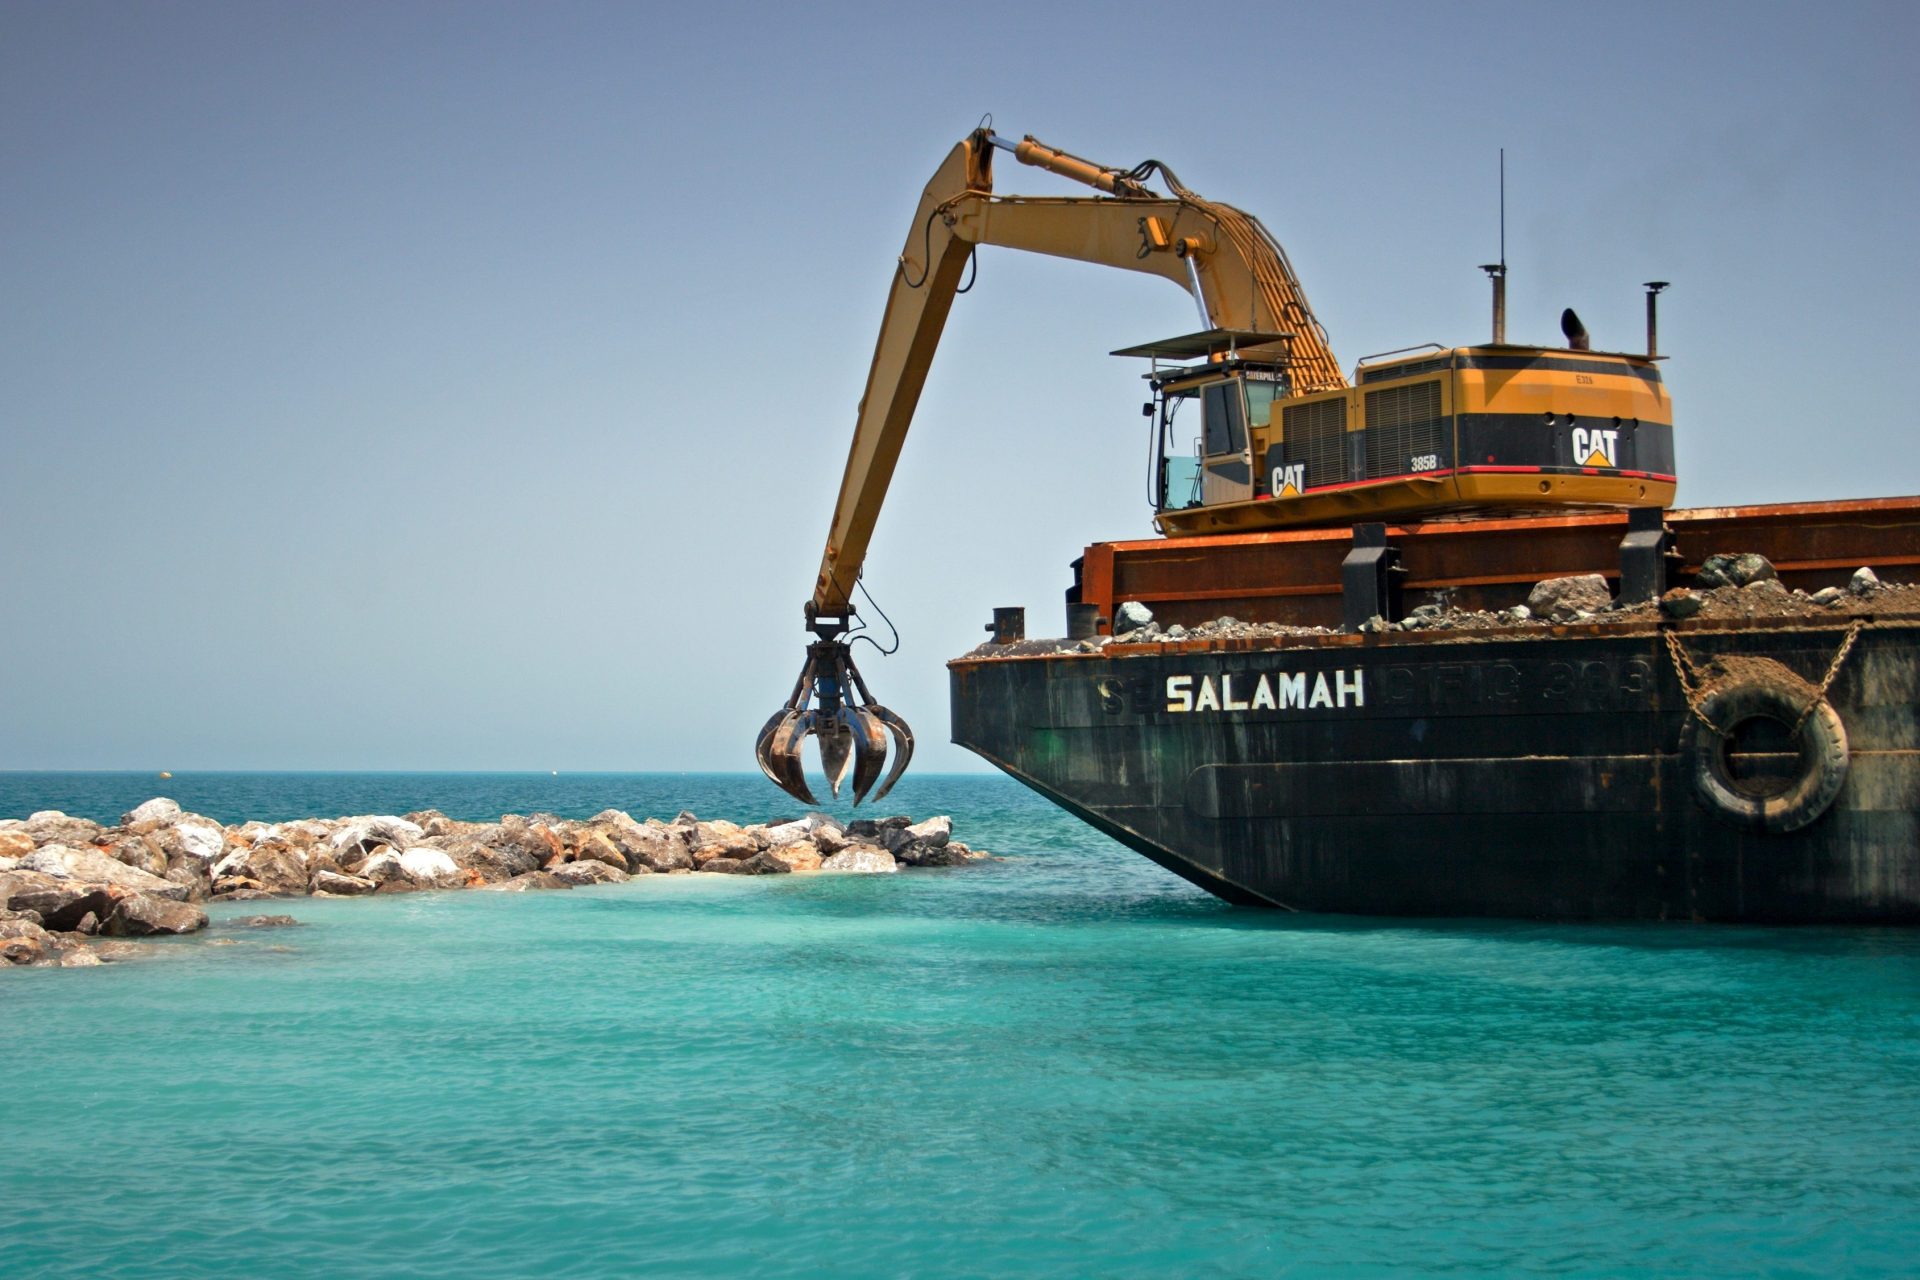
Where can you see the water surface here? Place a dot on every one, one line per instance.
(1064, 1063)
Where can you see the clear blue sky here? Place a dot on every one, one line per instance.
(465, 386)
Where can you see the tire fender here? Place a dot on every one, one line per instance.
(1821, 740)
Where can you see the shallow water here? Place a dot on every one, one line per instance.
(1063, 1063)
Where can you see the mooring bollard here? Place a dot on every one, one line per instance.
(1009, 625)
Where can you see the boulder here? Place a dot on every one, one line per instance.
(139, 914)
(798, 855)
(530, 880)
(533, 840)
(140, 852)
(369, 832)
(25, 951)
(1734, 570)
(945, 855)
(430, 867)
(735, 847)
(242, 887)
(27, 929)
(490, 862)
(50, 826)
(335, 882)
(1864, 581)
(150, 816)
(1828, 596)
(381, 867)
(250, 833)
(934, 831)
(830, 839)
(273, 865)
(801, 829)
(1568, 599)
(432, 822)
(194, 836)
(595, 846)
(588, 871)
(15, 844)
(860, 859)
(725, 866)
(1680, 603)
(305, 833)
(1131, 616)
(91, 865)
(722, 833)
(192, 874)
(657, 848)
(869, 829)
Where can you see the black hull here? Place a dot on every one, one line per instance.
(1541, 777)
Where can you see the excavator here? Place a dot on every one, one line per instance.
(1284, 438)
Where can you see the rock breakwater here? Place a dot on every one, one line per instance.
(71, 889)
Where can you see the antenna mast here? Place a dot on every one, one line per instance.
(1497, 271)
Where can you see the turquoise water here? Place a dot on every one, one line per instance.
(1066, 1063)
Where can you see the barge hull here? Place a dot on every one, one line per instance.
(1542, 776)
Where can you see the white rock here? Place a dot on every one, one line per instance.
(789, 832)
(375, 829)
(934, 832)
(158, 810)
(428, 865)
(54, 815)
(1864, 582)
(200, 837)
(861, 859)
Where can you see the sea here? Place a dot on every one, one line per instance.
(1063, 1062)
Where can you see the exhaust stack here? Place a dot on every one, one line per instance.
(1576, 333)
(1653, 317)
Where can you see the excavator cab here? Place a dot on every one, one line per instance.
(1212, 415)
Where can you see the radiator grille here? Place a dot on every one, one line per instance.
(1404, 423)
(1316, 434)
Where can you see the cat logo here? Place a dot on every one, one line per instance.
(1290, 480)
(1596, 448)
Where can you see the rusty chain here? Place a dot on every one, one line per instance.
(1833, 669)
(1690, 681)
(1693, 684)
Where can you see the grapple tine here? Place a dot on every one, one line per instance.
(869, 751)
(902, 746)
(837, 745)
(785, 753)
(765, 740)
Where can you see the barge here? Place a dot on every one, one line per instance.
(1623, 766)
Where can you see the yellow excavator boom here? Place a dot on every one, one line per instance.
(1239, 276)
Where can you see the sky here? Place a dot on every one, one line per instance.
(466, 386)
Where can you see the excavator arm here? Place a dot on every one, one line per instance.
(1239, 278)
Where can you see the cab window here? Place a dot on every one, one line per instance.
(1223, 417)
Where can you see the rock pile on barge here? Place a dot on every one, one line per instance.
(72, 890)
(1729, 588)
